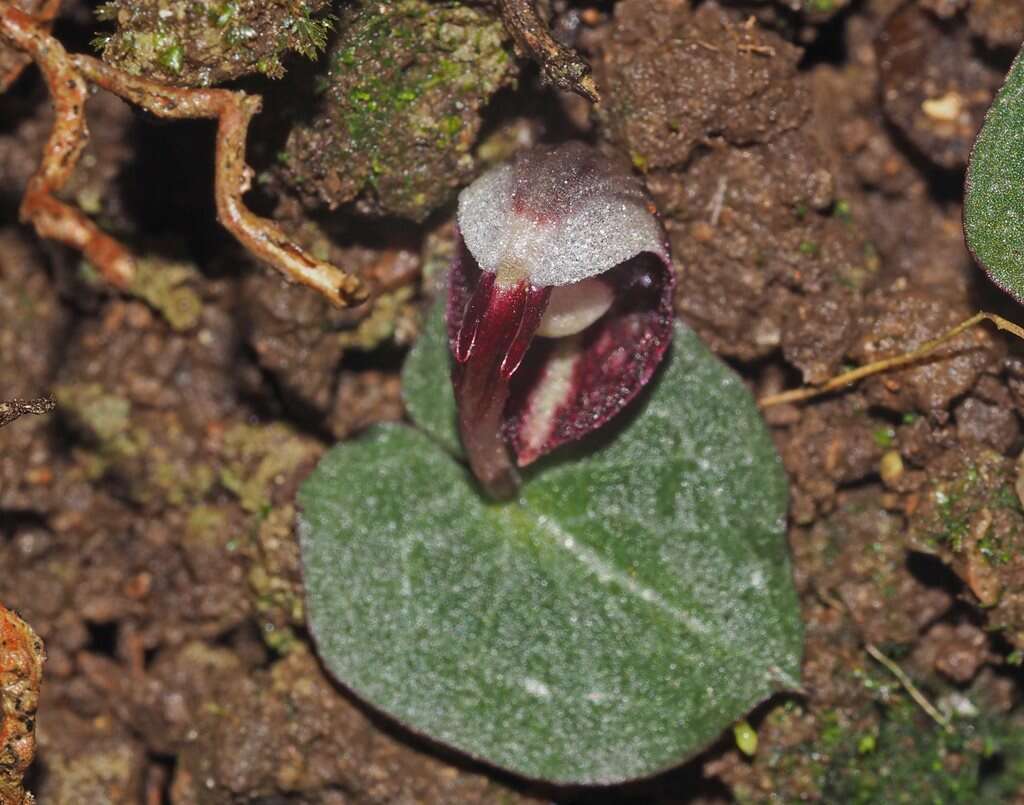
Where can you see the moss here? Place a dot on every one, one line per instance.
(205, 524)
(980, 482)
(275, 580)
(103, 417)
(884, 436)
(172, 58)
(971, 517)
(141, 448)
(257, 459)
(171, 481)
(392, 318)
(168, 288)
(894, 753)
(197, 44)
(401, 106)
(912, 760)
(261, 466)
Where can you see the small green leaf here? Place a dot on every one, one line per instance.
(631, 605)
(994, 201)
(426, 384)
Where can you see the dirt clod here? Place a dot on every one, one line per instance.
(199, 45)
(935, 87)
(21, 670)
(401, 107)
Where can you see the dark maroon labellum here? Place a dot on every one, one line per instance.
(562, 313)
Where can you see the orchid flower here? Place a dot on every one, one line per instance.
(559, 305)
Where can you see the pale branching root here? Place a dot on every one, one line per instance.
(563, 67)
(66, 75)
(51, 217)
(888, 364)
(233, 110)
(13, 62)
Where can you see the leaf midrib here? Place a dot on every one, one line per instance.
(597, 566)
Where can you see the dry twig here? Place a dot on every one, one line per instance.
(10, 410)
(562, 66)
(65, 74)
(892, 667)
(887, 364)
(910, 687)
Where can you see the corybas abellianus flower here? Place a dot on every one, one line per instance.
(559, 305)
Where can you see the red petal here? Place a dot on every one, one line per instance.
(565, 388)
(569, 387)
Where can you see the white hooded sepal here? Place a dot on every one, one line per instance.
(560, 214)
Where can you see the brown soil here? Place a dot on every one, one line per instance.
(807, 158)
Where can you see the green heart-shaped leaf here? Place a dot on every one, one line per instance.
(610, 623)
(426, 384)
(994, 201)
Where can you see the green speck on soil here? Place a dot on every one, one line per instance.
(451, 125)
(992, 548)
(746, 738)
(220, 15)
(953, 523)
(867, 744)
(884, 436)
(171, 58)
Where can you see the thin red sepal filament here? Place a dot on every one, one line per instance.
(497, 327)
